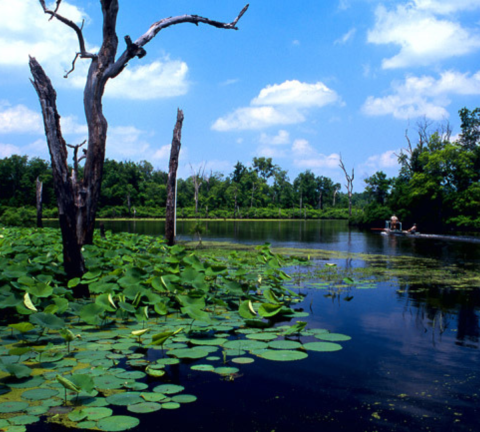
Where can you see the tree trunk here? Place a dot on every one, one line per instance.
(39, 190)
(172, 180)
(72, 256)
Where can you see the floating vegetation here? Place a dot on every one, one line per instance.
(150, 308)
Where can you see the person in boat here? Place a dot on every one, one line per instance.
(413, 229)
(394, 222)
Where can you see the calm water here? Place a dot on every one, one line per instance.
(412, 364)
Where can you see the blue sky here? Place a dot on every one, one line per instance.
(303, 82)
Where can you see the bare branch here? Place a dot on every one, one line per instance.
(73, 66)
(135, 49)
(78, 30)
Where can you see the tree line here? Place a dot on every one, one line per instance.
(438, 185)
(137, 189)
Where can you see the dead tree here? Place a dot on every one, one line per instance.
(39, 190)
(349, 186)
(172, 180)
(197, 178)
(335, 192)
(77, 206)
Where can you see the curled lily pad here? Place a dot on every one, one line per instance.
(322, 346)
(118, 423)
(144, 407)
(168, 388)
(283, 355)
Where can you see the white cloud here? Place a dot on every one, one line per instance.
(278, 104)
(25, 30)
(423, 96)
(256, 118)
(283, 137)
(163, 153)
(423, 37)
(296, 94)
(389, 159)
(446, 6)
(307, 157)
(7, 150)
(346, 37)
(229, 82)
(19, 119)
(271, 152)
(160, 79)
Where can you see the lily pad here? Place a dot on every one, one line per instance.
(39, 394)
(153, 397)
(131, 375)
(168, 389)
(170, 405)
(144, 407)
(97, 413)
(184, 398)
(203, 367)
(224, 370)
(118, 423)
(124, 399)
(333, 337)
(283, 355)
(191, 353)
(243, 360)
(108, 382)
(23, 420)
(322, 346)
(284, 344)
(10, 407)
(262, 336)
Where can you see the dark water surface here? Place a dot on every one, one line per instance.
(412, 363)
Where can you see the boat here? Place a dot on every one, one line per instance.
(388, 231)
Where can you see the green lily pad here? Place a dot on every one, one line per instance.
(131, 375)
(77, 416)
(87, 424)
(144, 407)
(168, 361)
(322, 346)
(153, 397)
(243, 360)
(245, 344)
(333, 337)
(124, 399)
(262, 336)
(203, 367)
(97, 413)
(223, 370)
(118, 423)
(284, 344)
(184, 398)
(23, 420)
(283, 355)
(168, 389)
(10, 407)
(39, 394)
(190, 353)
(170, 405)
(37, 410)
(206, 341)
(108, 382)
(27, 382)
